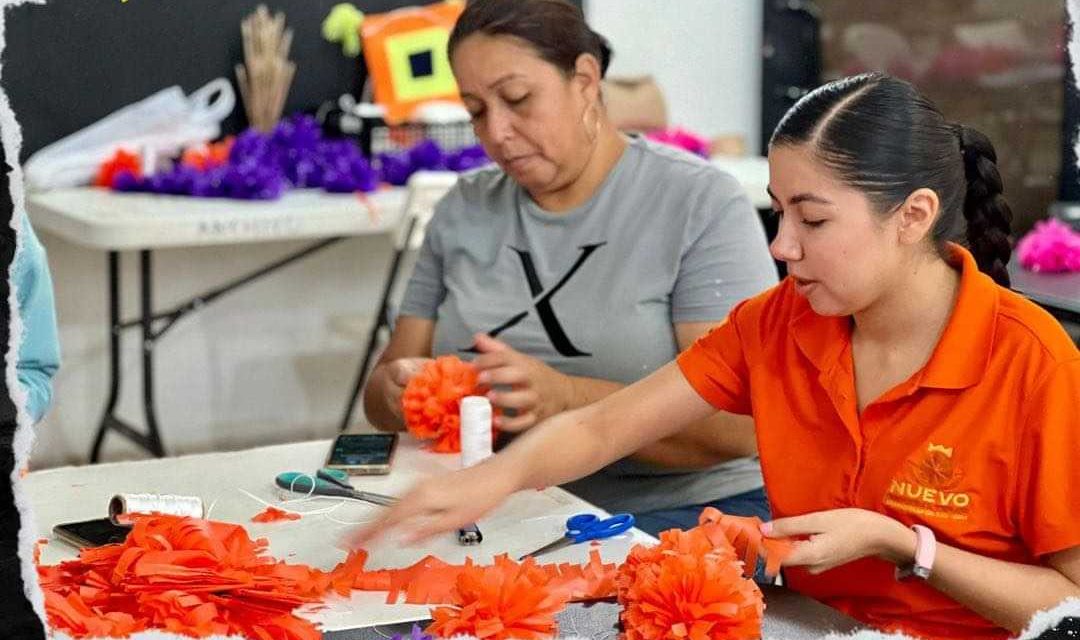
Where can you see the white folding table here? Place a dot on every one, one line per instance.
(116, 222)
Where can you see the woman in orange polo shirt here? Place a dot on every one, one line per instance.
(905, 403)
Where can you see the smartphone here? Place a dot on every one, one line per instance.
(91, 533)
(363, 453)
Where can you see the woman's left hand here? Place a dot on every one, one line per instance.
(536, 391)
(840, 536)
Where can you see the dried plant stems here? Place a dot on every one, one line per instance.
(267, 73)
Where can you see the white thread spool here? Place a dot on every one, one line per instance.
(475, 430)
(125, 504)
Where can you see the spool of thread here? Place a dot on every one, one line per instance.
(124, 505)
(475, 430)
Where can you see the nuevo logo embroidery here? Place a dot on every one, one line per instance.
(929, 485)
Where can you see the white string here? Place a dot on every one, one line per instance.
(302, 513)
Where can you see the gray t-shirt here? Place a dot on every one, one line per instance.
(594, 291)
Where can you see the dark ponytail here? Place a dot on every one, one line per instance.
(988, 215)
(556, 29)
(883, 137)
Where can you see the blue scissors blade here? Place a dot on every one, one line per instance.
(586, 526)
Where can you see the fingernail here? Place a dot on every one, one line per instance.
(766, 528)
(482, 378)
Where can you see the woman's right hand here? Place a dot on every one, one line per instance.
(398, 374)
(443, 503)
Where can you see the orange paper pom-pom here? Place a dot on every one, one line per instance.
(121, 162)
(697, 584)
(432, 400)
(273, 514)
(506, 600)
(686, 595)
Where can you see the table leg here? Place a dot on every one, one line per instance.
(114, 353)
(148, 340)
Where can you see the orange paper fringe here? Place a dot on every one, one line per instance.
(432, 399)
(273, 514)
(200, 578)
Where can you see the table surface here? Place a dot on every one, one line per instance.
(527, 520)
(1057, 290)
(114, 221)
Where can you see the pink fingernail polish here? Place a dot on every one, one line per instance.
(766, 528)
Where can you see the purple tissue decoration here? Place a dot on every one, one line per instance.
(416, 634)
(295, 155)
(397, 166)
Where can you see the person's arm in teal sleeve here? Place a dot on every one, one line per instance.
(39, 352)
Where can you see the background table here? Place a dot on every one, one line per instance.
(523, 523)
(116, 222)
(1058, 293)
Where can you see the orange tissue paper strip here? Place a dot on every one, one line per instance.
(121, 162)
(273, 514)
(502, 601)
(432, 399)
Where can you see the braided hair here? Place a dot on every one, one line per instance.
(883, 137)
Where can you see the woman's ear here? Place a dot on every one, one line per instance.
(587, 72)
(917, 216)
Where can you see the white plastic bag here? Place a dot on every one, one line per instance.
(160, 125)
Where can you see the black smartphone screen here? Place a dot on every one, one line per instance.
(360, 449)
(92, 533)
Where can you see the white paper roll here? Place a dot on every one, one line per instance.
(475, 430)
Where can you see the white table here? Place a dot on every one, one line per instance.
(527, 520)
(524, 523)
(752, 172)
(116, 222)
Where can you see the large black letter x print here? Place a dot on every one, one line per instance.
(542, 302)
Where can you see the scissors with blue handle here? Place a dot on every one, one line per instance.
(329, 482)
(586, 526)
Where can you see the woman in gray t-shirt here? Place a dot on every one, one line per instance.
(581, 263)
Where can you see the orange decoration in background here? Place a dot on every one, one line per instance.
(121, 162)
(507, 600)
(208, 156)
(273, 514)
(432, 400)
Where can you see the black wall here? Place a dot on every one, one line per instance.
(68, 63)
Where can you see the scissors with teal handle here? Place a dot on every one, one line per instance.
(586, 526)
(329, 482)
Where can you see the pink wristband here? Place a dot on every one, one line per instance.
(925, 550)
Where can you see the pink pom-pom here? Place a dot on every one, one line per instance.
(682, 139)
(1051, 247)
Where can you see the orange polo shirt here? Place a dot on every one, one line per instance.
(980, 445)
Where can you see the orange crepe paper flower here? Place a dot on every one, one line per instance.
(432, 400)
(273, 514)
(506, 600)
(696, 584)
(121, 162)
(696, 597)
